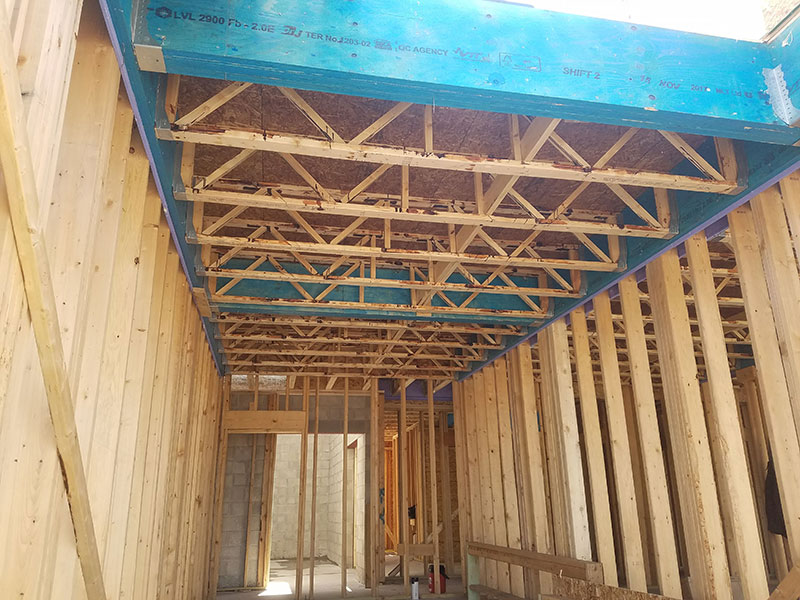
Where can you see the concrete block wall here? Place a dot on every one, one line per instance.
(286, 495)
(361, 507)
(286, 491)
(235, 513)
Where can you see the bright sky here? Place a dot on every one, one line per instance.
(740, 19)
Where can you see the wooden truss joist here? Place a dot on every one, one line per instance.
(369, 252)
(212, 224)
(340, 368)
(420, 326)
(335, 374)
(286, 143)
(407, 202)
(293, 352)
(378, 282)
(297, 342)
(427, 311)
(270, 198)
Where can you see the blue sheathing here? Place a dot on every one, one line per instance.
(478, 55)
(785, 50)
(146, 94)
(416, 392)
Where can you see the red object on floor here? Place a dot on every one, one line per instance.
(442, 582)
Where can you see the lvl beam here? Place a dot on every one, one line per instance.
(563, 71)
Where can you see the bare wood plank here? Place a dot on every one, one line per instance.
(346, 421)
(567, 567)
(735, 489)
(692, 155)
(462, 479)
(593, 443)
(434, 506)
(634, 205)
(301, 498)
(382, 210)
(299, 145)
(666, 555)
(759, 458)
(20, 181)
(375, 527)
(576, 526)
(772, 380)
(404, 483)
(790, 192)
(408, 550)
(311, 114)
(565, 587)
(219, 495)
(699, 505)
(531, 450)
(789, 587)
(381, 122)
(225, 168)
(783, 282)
(313, 540)
(486, 518)
(496, 472)
(263, 421)
(620, 448)
(444, 469)
(508, 473)
(171, 96)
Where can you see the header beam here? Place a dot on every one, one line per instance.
(482, 55)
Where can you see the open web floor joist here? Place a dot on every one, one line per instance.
(332, 203)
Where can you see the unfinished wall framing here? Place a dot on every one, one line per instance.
(553, 349)
(144, 388)
(647, 421)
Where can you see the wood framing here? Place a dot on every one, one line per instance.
(699, 505)
(528, 303)
(263, 421)
(736, 490)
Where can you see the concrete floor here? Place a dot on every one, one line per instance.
(327, 583)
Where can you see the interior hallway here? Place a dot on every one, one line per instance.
(327, 583)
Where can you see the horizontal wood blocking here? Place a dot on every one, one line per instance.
(264, 421)
(536, 561)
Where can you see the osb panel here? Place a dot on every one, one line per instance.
(264, 108)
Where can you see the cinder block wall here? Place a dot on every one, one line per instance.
(234, 511)
(335, 502)
(287, 483)
(286, 491)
